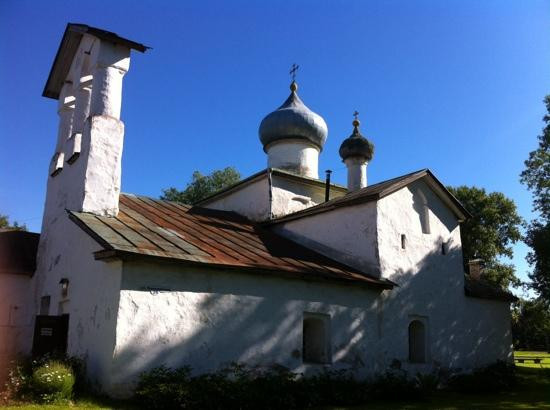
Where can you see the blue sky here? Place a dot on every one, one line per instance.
(454, 86)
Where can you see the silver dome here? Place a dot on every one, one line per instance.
(293, 120)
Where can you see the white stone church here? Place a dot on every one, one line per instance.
(281, 268)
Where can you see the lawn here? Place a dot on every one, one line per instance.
(532, 392)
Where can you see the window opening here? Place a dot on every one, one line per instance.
(45, 305)
(315, 339)
(417, 342)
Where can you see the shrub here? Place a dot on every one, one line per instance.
(52, 382)
(493, 378)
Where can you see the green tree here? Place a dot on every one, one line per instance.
(490, 233)
(531, 325)
(536, 176)
(202, 186)
(6, 225)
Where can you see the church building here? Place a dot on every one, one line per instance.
(280, 269)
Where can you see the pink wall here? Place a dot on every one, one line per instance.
(15, 320)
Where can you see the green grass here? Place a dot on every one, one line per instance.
(545, 356)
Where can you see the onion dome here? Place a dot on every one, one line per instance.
(356, 145)
(293, 120)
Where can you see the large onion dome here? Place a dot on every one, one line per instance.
(356, 145)
(293, 120)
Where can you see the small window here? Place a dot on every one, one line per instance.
(417, 342)
(403, 241)
(315, 338)
(444, 248)
(45, 305)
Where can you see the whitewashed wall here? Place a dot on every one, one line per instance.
(348, 235)
(251, 200)
(430, 285)
(207, 319)
(463, 332)
(92, 300)
(287, 196)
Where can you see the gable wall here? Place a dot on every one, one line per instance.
(463, 332)
(345, 234)
(291, 196)
(251, 201)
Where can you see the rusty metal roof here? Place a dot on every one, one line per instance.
(147, 227)
(378, 191)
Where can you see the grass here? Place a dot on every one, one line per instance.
(545, 363)
(532, 392)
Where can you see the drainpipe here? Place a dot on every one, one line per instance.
(327, 185)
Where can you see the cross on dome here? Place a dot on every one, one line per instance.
(293, 70)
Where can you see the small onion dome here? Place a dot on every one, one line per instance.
(356, 145)
(293, 120)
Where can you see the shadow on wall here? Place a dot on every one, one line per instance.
(209, 319)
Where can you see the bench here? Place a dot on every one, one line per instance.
(535, 360)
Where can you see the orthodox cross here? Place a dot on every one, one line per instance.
(356, 115)
(293, 70)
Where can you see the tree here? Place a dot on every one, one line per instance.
(490, 233)
(5, 224)
(202, 186)
(531, 325)
(536, 176)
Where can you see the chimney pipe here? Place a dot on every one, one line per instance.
(327, 185)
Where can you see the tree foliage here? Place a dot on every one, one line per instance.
(202, 186)
(531, 325)
(536, 176)
(490, 233)
(6, 225)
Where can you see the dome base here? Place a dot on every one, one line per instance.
(296, 156)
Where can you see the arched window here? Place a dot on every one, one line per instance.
(315, 342)
(417, 342)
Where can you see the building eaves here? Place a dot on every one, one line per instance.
(478, 288)
(378, 191)
(263, 174)
(67, 49)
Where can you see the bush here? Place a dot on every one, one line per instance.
(240, 387)
(493, 378)
(52, 382)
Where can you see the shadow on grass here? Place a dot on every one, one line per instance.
(532, 392)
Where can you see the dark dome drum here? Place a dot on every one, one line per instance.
(356, 145)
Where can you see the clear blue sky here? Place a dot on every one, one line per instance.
(455, 86)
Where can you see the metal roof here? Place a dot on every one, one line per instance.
(67, 49)
(378, 191)
(147, 227)
(18, 252)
